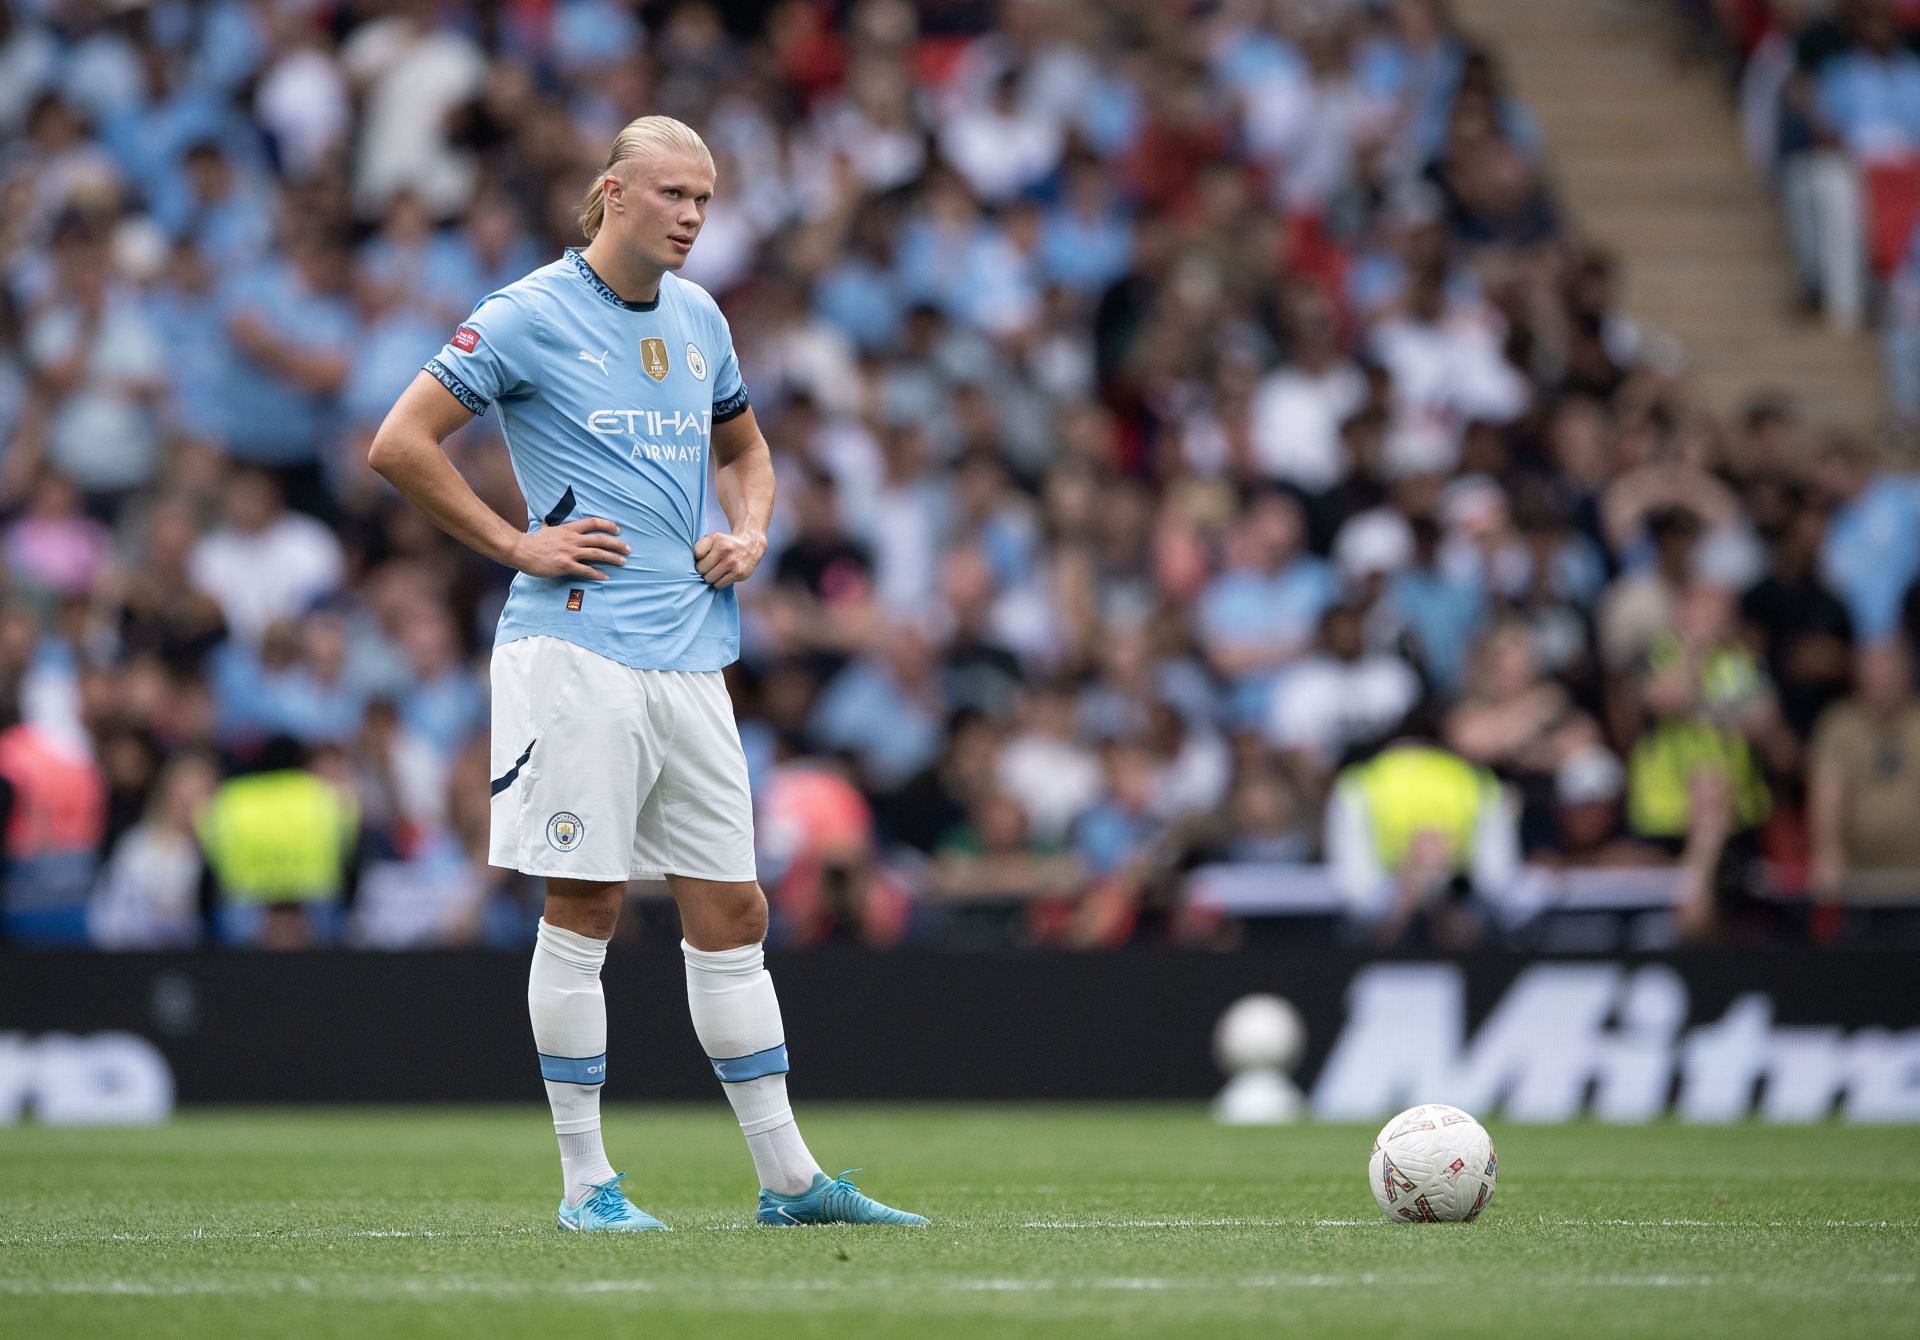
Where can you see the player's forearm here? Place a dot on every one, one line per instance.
(416, 465)
(745, 486)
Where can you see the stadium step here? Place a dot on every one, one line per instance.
(1644, 149)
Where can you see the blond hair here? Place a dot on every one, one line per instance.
(640, 138)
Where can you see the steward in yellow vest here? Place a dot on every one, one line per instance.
(1417, 833)
(280, 840)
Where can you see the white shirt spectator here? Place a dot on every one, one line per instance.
(1296, 417)
(1377, 542)
(303, 103)
(906, 532)
(275, 573)
(729, 240)
(1325, 704)
(413, 77)
(1195, 780)
(847, 449)
(1446, 373)
(804, 352)
(102, 433)
(1056, 79)
(149, 894)
(425, 903)
(1001, 150)
(1308, 129)
(887, 149)
(1055, 780)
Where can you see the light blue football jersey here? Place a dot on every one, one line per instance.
(608, 407)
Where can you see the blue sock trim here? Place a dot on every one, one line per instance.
(574, 1069)
(735, 1069)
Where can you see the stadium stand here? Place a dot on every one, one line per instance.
(1187, 414)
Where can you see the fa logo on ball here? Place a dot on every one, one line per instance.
(564, 831)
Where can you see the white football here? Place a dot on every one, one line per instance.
(1432, 1164)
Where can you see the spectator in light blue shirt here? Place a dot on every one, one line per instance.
(294, 685)
(395, 338)
(591, 33)
(859, 293)
(1086, 243)
(443, 705)
(1121, 825)
(292, 333)
(1871, 95)
(1872, 550)
(153, 136)
(937, 251)
(101, 367)
(232, 43)
(186, 311)
(997, 286)
(886, 709)
(1264, 610)
(490, 251)
(224, 212)
(405, 252)
(1443, 611)
(1257, 57)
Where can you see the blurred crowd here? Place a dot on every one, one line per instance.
(1201, 439)
(1830, 114)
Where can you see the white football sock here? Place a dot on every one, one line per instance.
(737, 1016)
(569, 1015)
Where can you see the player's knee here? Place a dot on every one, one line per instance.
(734, 917)
(744, 917)
(586, 909)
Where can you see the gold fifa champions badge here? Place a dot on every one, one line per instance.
(653, 357)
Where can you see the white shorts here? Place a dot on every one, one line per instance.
(603, 772)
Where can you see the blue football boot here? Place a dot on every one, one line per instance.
(606, 1209)
(837, 1201)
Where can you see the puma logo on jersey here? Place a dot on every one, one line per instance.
(598, 360)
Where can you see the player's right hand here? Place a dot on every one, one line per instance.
(570, 549)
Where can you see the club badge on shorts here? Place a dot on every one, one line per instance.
(653, 357)
(696, 362)
(564, 831)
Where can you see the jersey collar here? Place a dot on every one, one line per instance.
(604, 289)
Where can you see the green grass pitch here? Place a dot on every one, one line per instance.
(1056, 1221)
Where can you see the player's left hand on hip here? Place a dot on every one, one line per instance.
(723, 558)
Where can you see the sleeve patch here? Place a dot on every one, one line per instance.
(466, 339)
(732, 407)
(447, 377)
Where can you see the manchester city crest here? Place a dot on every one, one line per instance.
(653, 357)
(696, 364)
(564, 831)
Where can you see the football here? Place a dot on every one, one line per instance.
(1432, 1164)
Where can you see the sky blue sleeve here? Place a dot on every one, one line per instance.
(491, 355)
(729, 388)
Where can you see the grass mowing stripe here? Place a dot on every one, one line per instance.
(1102, 1222)
(409, 1287)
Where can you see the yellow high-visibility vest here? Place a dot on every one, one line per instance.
(1668, 754)
(1413, 788)
(278, 837)
(1662, 766)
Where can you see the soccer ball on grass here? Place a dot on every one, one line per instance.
(1432, 1164)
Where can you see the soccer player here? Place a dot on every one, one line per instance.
(615, 753)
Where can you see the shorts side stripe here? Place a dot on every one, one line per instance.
(505, 780)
